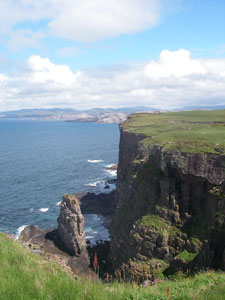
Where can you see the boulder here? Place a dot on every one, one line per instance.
(71, 225)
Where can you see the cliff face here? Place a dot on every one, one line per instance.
(170, 208)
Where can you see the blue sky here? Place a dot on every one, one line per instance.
(111, 53)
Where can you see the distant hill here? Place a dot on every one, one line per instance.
(61, 111)
(99, 115)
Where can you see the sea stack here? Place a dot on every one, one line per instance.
(71, 225)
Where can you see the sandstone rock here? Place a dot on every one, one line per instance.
(71, 225)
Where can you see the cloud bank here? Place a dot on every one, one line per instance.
(174, 80)
(92, 20)
(78, 20)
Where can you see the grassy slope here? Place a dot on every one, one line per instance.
(26, 276)
(188, 131)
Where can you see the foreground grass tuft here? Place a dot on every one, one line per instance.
(27, 276)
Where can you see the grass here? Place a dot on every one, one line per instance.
(187, 131)
(27, 276)
(159, 224)
(154, 221)
(186, 256)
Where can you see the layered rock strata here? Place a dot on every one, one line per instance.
(170, 211)
(71, 225)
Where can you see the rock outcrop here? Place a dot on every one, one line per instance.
(71, 225)
(170, 211)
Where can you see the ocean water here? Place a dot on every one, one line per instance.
(40, 161)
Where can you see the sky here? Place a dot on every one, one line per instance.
(82, 54)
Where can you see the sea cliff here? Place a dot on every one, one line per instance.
(170, 195)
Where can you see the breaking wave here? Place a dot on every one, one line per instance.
(45, 209)
(19, 230)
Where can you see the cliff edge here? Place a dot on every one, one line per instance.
(170, 195)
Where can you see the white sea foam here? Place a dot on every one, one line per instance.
(45, 209)
(90, 230)
(59, 203)
(94, 184)
(95, 161)
(112, 173)
(100, 185)
(19, 230)
(110, 165)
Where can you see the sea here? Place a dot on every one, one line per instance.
(40, 161)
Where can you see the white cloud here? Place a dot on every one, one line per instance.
(175, 80)
(24, 38)
(13, 12)
(3, 78)
(177, 63)
(43, 71)
(79, 20)
(92, 20)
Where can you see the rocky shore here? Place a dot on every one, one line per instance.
(67, 245)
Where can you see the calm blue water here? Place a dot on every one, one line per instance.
(40, 161)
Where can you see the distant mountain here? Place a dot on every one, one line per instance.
(38, 112)
(99, 115)
(67, 113)
(125, 110)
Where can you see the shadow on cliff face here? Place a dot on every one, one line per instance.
(59, 244)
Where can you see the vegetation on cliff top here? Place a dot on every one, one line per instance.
(187, 131)
(27, 276)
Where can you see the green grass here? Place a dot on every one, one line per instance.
(159, 224)
(154, 221)
(27, 276)
(186, 256)
(187, 131)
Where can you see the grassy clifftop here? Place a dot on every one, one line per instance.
(27, 276)
(187, 131)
